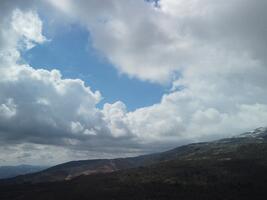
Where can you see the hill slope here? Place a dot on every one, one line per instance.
(234, 168)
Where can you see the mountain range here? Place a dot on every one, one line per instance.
(13, 171)
(230, 168)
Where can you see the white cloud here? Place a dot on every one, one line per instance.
(114, 115)
(20, 30)
(182, 117)
(155, 43)
(29, 26)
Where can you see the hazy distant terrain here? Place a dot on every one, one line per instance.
(231, 168)
(12, 171)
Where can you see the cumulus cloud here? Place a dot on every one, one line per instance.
(46, 105)
(40, 108)
(213, 53)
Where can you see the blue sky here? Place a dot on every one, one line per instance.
(70, 52)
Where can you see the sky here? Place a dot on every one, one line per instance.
(72, 52)
(92, 79)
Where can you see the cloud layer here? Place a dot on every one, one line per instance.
(213, 53)
(153, 43)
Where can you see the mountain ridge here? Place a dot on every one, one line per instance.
(10, 171)
(194, 151)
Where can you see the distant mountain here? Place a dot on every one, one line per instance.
(231, 168)
(12, 171)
